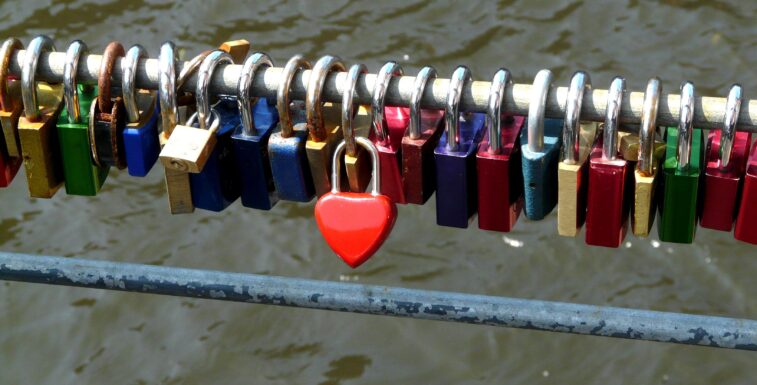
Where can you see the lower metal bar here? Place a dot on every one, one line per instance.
(380, 300)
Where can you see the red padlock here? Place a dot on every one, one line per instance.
(746, 221)
(609, 175)
(418, 173)
(389, 125)
(498, 163)
(725, 165)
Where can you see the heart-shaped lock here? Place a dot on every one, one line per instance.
(355, 224)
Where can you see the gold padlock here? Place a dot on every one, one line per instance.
(37, 132)
(572, 171)
(323, 134)
(629, 146)
(188, 148)
(645, 175)
(357, 162)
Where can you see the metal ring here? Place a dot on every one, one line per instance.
(378, 101)
(612, 114)
(297, 62)
(113, 51)
(169, 105)
(10, 45)
(497, 92)
(452, 108)
(419, 87)
(129, 68)
(204, 75)
(336, 165)
(685, 124)
(191, 67)
(313, 97)
(648, 126)
(536, 107)
(244, 85)
(571, 133)
(348, 107)
(728, 132)
(70, 69)
(28, 73)
(91, 134)
(215, 120)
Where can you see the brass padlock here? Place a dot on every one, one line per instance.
(36, 129)
(357, 162)
(645, 175)
(629, 146)
(188, 147)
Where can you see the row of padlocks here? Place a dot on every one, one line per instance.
(493, 164)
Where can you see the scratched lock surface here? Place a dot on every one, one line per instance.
(65, 335)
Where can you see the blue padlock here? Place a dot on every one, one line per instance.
(251, 140)
(216, 186)
(455, 158)
(140, 136)
(540, 145)
(286, 147)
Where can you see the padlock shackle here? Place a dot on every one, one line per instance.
(336, 165)
(29, 72)
(70, 69)
(314, 95)
(419, 87)
(497, 92)
(571, 132)
(348, 107)
(460, 76)
(244, 101)
(612, 114)
(537, 105)
(731, 117)
(204, 75)
(169, 106)
(378, 101)
(215, 120)
(113, 51)
(128, 87)
(685, 125)
(297, 62)
(6, 51)
(648, 129)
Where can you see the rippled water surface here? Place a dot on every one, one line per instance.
(58, 335)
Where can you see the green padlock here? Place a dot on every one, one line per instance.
(681, 170)
(81, 175)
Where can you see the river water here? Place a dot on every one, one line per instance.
(58, 335)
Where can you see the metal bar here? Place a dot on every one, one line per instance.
(380, 300)
(709, 111)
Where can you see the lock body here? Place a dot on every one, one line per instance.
(680, 188)
(251, 153)
(418, 174)
(746, 221)
(141, 144)
(540, 171)
(456, 185)
(572, 184)
(608, 201)
(108, 131)
(644, 203)
(188, 149)
(289, 165)
(722, 186)
(500, 179)
(82, 177)
(397, 120)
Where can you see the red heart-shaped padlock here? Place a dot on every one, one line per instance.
(355, 224)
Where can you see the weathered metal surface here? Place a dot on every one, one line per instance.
(380, 300)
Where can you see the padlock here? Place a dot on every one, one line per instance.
(680, 175)
(498, 162)
(250, 139)
(81, 175)
(746, 221)
(140, 137)
(10, 111)
(322, 135)
(357, 162)
(355, 224)
(540, 147)
(725, 164)
(286, 147)
(108, 115)
(645, 175)
(572, 171)
(455, 156)
(36, 129)
(417, 147)
(608, 200)
(389, 125)
(629, 144)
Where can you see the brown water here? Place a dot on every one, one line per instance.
(57, 335)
